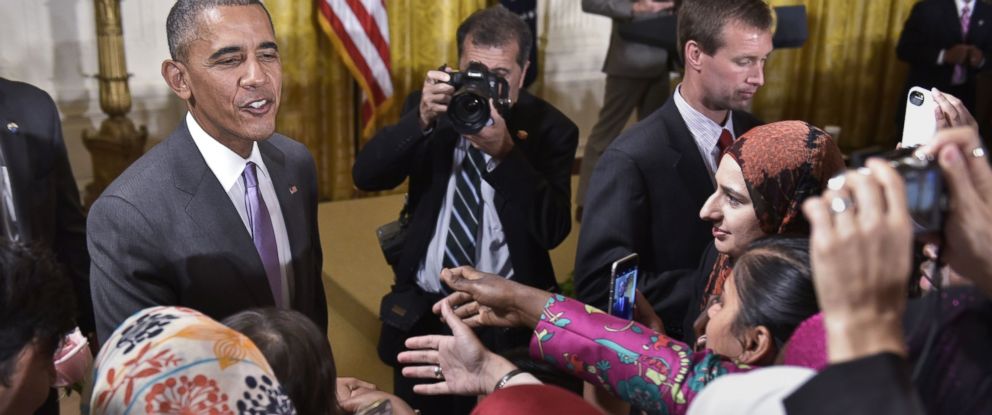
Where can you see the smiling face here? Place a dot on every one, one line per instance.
(501, 61)
(231, 78)
(731, 76)
(735, 223)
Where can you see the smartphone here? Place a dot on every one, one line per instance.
(920, 123)
(623, 285)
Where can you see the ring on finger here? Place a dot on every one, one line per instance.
(437, 372)
(841, 204)
(978, 152)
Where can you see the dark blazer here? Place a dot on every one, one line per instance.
(46, 199)
(165, 233)
(532, 184)
(877, 384)
(644, 196)
(934, 25)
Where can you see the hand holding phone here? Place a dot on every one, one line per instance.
(623, 286)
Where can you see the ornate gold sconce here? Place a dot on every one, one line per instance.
(118, 143)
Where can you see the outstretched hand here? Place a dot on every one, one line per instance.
(466, 366)
(483, 299)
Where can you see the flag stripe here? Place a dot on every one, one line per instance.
(371, 26)
(362, 43)
(359, 31)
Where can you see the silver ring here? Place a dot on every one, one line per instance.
(978, 152)
(437, 372)
(840, 205)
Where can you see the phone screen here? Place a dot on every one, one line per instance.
(623, 285)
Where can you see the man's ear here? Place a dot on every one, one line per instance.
(175, 75)
(759, 347)
(693, 56)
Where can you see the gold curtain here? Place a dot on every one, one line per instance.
(319, 94)
(846, 74)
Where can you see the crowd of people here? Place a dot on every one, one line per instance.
(772, 278)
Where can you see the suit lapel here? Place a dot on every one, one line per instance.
(291, 200)
(210, 207)
(689, 162)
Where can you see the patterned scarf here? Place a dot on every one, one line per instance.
(176, 360)
(783, 164)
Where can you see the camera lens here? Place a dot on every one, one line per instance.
(916, 98)
(469, 113)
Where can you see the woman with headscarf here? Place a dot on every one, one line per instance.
(177, 360)
(761, 182)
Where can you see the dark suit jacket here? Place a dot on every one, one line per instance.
(934, 25)
(533, 191)
(644, 196)
(165, 233)
(46, 199)
(877, 384)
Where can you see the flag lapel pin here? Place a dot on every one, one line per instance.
(292, 189)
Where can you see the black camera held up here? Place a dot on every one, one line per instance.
(468, 110)
(926, 192)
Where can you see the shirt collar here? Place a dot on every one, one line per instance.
(222, 161)
(704, 131)
(960, 5)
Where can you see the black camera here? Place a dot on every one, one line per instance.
(469, 106)
(926, 192)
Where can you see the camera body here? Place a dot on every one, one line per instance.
(926, 192)
(469, 110)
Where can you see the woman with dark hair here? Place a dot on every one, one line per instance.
(299, 355)
(36, 311)
(762, 181)
(302, 360)
(652, 372)
(757, 314)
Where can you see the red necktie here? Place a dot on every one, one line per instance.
(726, 139)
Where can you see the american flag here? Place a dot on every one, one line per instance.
(359, 30)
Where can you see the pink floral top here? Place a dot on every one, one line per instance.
(652, 372)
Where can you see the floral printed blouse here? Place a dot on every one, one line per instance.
(650, 371)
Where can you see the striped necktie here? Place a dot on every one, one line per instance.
(466, 212)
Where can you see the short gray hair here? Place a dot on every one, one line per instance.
(180, 27)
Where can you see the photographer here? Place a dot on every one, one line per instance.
(493, 194)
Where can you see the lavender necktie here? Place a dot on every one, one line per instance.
(960, 74)
(262, 232)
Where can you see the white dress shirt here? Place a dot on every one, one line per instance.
(228, 166)
(705, 131)
(492, 255)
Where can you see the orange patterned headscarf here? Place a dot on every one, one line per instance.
(783, 164)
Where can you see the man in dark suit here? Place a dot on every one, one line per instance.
(636, 78)
(39, 200)
(497, 199)
(650, 184)
(221, 216)
(946, 43)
